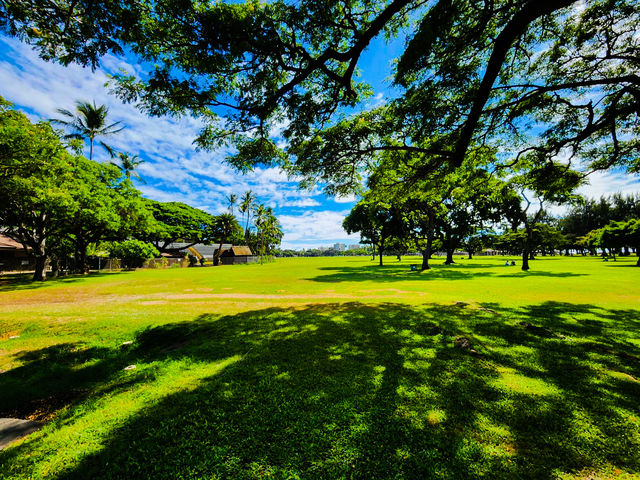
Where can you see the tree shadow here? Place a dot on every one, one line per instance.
(402, 273)
(17, 282)
(378, 391)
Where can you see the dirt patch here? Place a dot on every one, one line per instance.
(258, 296)
(9, 335)
(44, 409)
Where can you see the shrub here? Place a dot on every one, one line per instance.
(133, 253)
(193, 261)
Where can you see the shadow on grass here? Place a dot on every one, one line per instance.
(360, 391)
(461, 271)
(23, 281)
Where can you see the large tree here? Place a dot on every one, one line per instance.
(474, 74)
(178, 222)
(105, 208)
(36, 184)
(376, 221)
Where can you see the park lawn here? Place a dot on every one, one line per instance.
(327, 368)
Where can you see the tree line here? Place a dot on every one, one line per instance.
(58, 203)
(474, 209)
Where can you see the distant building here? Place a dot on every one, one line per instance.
(355, 247)
(230, 254)
(339, 247)
(235, 255)
(13, 256)
(179, 250)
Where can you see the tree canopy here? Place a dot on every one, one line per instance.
(532, 79)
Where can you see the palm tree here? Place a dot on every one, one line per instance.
(232, 199)
(260, 215)
(246, 205)
(128, 164)
(224, 224)
(89, 122)
(268, 227)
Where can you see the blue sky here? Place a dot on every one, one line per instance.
(175, 171)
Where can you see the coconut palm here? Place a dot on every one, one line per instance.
(128, 165)
(88, 123)
(246, 205)
(260, 219)
(232, 199)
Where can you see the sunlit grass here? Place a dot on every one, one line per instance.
(327, 368)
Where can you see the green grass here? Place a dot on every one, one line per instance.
(327, 368)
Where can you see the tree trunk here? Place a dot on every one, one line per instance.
(425, 259)
(525, 259)
(380, 254)
(470, 255)
(449, 259)
(83, 260)
(638, 253)
(39, 275)
(216, 256)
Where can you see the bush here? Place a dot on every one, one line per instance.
(193, 261)
(133, 253)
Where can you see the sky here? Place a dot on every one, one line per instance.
(173, 170)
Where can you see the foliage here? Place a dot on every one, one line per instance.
(614, 236)
(36, 183)
(473, 76)
(176, 221)
(225, 229)
(128, 165)
(88, 123)
(376, 222)
(133, 253)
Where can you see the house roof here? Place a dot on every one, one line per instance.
(238, 251)
(207, 251)
(7, 243)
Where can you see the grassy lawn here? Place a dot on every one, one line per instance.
(327, 368)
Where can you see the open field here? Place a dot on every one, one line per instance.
(327, 368)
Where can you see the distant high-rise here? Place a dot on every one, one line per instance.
(339, 247)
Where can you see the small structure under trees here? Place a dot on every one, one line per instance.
(237, 255)
(13, 256)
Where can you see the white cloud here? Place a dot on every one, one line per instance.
(607, 183)
(311, 228)
(305, 202)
